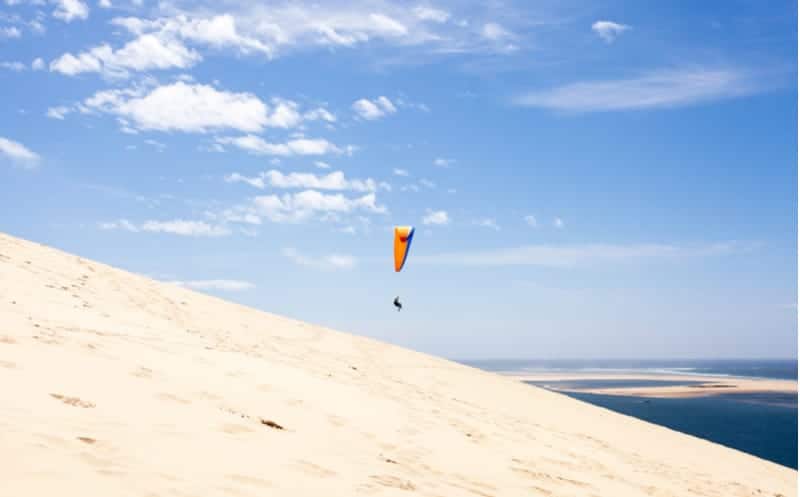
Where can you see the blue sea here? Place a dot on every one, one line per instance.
(764, 425)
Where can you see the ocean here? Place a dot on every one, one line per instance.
(764, 425)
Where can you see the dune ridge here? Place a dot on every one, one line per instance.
(118, 385)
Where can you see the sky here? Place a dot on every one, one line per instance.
(605, 179)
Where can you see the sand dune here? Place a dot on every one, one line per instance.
(117, 385)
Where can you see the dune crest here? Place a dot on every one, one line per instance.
(118, 385)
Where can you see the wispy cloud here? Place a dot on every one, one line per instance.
(298, 146)
(487, 223)
(19, 153)
(531, 221)
(558, 223)
(176, 227)
(608, 30)
(574, 255)
(331, 261)
(374, 109)
(442, 162)
(223, 285)
(400, 172)
(299, 207)
(13, 66)
(332, 181)
(658, 89)
(436, 217)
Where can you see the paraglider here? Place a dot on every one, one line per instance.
(402, 243)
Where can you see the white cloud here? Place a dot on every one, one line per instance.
(184, 107)
(574, 255)
(332, 181)
(660, 89)
(69, 10)
(298, 146)
(608, 30)
(409, 188)
(18, 153)
(176, 227)
(427, 183)
(13, 66)
(104, 4)
(37, 64)
(322, 165)
(300, 206)
(493, 31)
(147, 52)
(441, 162)
(431, 14)
(436, 217)
(374, 109)
(224, 285)
(10, 32)
(122, 224)
(487, 223)
(58, 112)
(558, 223)
(332, 261)
(156, 144)
(531, 220)
(319, 114)
(184, 228)
(400, 172)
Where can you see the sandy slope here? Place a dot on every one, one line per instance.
(116, 385)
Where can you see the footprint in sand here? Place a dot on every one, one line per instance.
(72, 401)
(393, 482)
(313, 469)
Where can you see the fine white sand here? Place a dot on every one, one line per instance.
(117, 385)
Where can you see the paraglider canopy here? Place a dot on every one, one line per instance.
(402, 242)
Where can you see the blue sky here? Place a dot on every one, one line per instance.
(587, 179)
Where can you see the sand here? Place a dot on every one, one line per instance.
(703, 385)
(117, 385)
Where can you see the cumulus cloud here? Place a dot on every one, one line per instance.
(332, 261)
(70, 10)
(147, 52)
(608, 30)
(436, 217)
(332, 181)
(18, 153)
(659, 89)
(322, 165)
(558, 223)
(400, 172)
(531, 221)
(191, 108)
(38, 64)
(374, 109)
(299, 207)
(298, 146)
(223, 285)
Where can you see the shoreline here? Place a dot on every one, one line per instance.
(697, 385)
